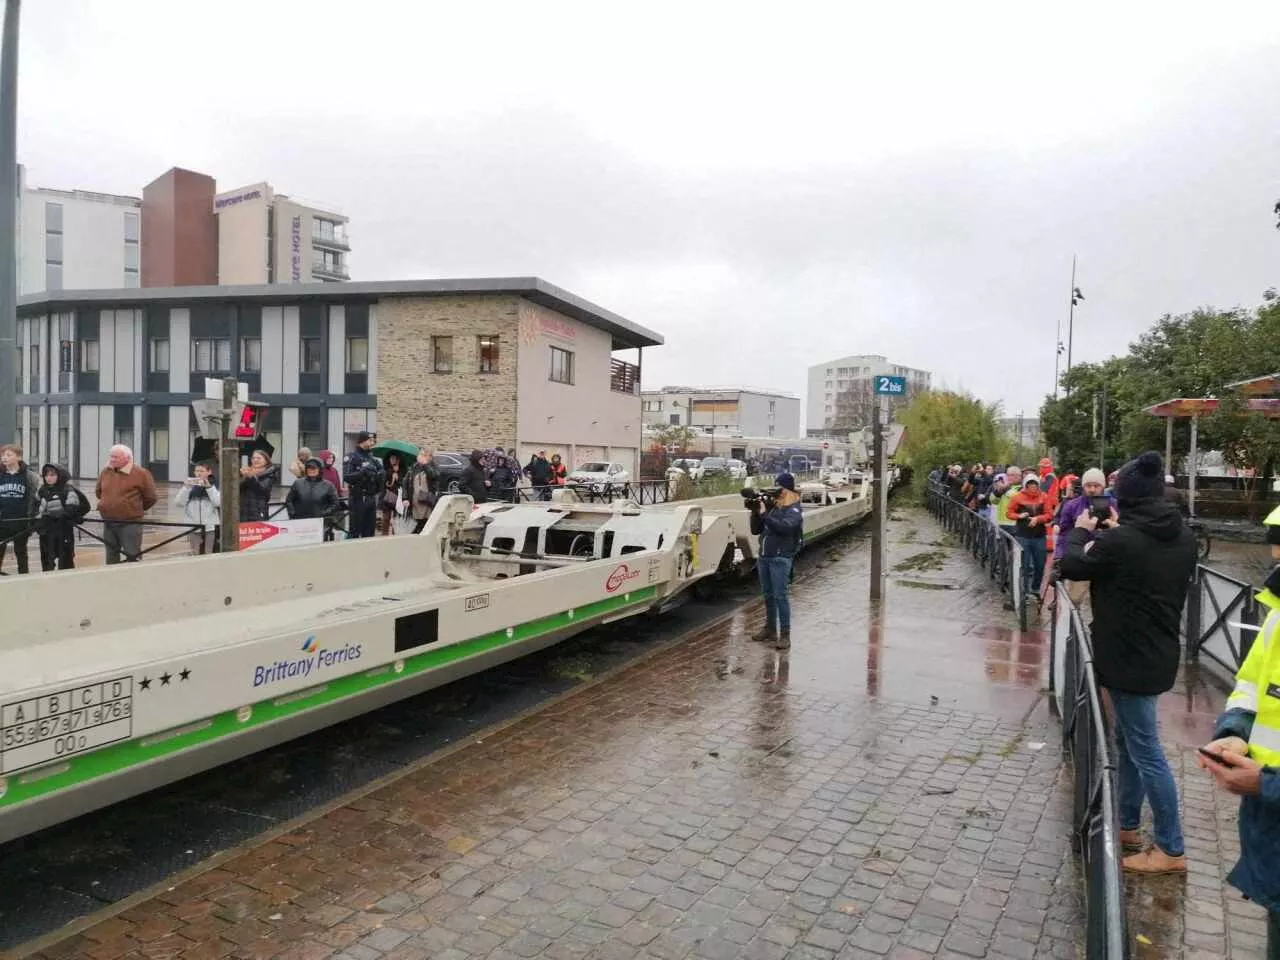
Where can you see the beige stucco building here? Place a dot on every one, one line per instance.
(268, 237)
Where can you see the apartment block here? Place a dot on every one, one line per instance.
(728, 411)
(454, 364)
(841, 392)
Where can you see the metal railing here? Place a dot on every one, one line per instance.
(1095, 820)
(994, 548)
(643, 492)
(29, 528)
(1233, 617)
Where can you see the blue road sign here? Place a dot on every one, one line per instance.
(892, 386)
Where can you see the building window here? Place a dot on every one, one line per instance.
(773, 406)
(52, 217)
(653, 406)
(160, 355)
(561, 365)
(330, 230)
(52, 246)
(53, 276)
(442, 354)
(124, 435)
(158, 440)
(130, 258)
(64, 437)
(34, 370)
(310, 356)
(327, 261)
(130, 228)
(131, 279)
(357, 354)
(208, 356)
(487, 347)
(33, 445)
(64, 356)
(88, 356)
(251, 354)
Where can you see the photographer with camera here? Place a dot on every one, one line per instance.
(776, 519)
(365, 477)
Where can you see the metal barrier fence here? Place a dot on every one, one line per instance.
(1233, 617)
(1095, 820)
(997, 550)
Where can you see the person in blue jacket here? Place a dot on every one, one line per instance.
(780, 527)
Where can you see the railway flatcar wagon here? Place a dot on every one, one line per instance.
(116, 680)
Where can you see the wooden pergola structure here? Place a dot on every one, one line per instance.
(1262, 398)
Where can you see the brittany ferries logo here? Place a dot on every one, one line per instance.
(315, 660)
(621, 574)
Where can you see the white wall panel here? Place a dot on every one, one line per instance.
(290, 350)
(179, 349)
(272, 349)
(337, 348)
(107, 351)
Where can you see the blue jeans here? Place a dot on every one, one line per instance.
(775, 572)
(1144, 772)
(1033, 558)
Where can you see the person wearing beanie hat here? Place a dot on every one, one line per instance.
(1138, 571)
(780, 527)
(1244, 756)
(1093, 491)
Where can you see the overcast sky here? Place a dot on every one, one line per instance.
(767, 186)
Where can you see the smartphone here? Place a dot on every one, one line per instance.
(1215, 757)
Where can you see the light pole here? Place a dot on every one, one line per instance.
(1076, 297)
(8, 220)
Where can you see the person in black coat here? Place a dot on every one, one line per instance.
(60, 507)
(1138, 569)
(472, 481)
(256, 483)
(365, 478)
(311, 495)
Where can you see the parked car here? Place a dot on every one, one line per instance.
(685, 467)
(737, 469)
(599, 476)
(450, 467)
(715, 467)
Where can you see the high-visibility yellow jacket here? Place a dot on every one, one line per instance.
(1253, 714)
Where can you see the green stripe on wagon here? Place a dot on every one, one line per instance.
(130, 753)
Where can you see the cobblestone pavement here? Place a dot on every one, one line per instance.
(893, 787)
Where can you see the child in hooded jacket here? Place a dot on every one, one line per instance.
(59, 507)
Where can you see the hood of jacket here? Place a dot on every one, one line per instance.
(1155, 516)
(63, 476)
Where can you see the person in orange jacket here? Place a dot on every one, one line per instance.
(1029, 509)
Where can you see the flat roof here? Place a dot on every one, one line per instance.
(1199, 406)
(625, 333)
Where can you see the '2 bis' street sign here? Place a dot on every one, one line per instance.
(892, 386)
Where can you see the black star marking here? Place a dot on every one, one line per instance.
(145, 683)
(165, 678)
(185, 673)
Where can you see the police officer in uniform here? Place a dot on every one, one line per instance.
(365, 477)
(1244, 756)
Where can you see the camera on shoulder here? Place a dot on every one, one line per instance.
(752, 498)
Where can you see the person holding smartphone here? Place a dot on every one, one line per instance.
(1244, 756)
(201, 503)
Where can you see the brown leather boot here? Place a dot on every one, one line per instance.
(1154, 862)
(764, 635)
(784, 641)
(1131, 839)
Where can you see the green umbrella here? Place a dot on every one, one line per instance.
(384, 447)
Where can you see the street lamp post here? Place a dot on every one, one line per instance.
(8, 220)
(1076, 297)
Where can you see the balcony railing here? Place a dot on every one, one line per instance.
(337, 241)
(623, 377)
(336, 271)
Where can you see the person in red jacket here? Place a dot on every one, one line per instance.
(1030, 511)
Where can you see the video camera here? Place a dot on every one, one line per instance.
(752, 498)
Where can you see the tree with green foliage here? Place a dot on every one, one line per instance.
(944, 427)
(1192, 355)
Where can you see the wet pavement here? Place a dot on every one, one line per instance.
(892, 787)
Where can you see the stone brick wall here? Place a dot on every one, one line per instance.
(448, 411)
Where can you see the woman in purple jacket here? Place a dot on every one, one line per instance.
(1094, 484)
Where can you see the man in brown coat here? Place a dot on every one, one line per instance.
(125, 492)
